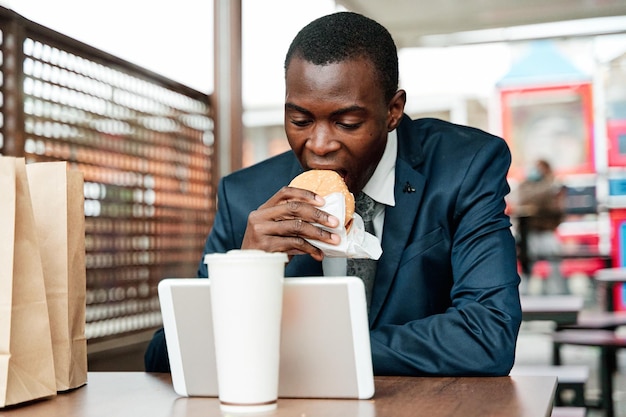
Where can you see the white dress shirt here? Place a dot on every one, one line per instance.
(380, 188)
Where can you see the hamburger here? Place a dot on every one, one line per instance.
(324, 182)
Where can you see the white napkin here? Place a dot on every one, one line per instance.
(356, 243)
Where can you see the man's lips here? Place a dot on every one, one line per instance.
(342, 172)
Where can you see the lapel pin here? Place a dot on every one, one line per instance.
(408, 188)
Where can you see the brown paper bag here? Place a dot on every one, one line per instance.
(26, 361)
(58, 204)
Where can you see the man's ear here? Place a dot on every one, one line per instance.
(396, 110)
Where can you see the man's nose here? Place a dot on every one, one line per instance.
(321, 141)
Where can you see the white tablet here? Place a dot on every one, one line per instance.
(325, 346)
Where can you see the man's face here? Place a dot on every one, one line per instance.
(336, 117)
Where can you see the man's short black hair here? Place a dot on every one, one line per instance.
(346, 35)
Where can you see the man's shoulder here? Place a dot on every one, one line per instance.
(438, 128)
(429, 138)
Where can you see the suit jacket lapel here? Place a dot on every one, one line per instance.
(408, 191)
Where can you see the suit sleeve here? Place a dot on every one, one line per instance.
(223, 236)
(476, 332)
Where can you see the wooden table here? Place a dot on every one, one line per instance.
(135, 394)
(520, 218)
(609, 343)
(606, 280)
(561, 309)
(596, 320)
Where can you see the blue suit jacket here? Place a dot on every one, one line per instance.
(445, 299)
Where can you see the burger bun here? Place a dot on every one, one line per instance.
(325, 182)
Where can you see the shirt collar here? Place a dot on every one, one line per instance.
(381, 185)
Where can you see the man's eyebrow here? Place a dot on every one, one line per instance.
(291, 106)
(349, 109)
(338, 112)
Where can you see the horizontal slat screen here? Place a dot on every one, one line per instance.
(145, 147)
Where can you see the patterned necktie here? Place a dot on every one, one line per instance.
(364, 268)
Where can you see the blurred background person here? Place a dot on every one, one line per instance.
(541, 209)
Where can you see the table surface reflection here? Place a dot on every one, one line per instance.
(133, 394)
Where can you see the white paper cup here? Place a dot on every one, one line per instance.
(246, 301)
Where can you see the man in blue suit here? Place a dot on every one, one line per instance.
(445, 297)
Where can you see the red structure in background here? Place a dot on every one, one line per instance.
(552, 122)
(618, 253)
(616, 130)
(547, 113)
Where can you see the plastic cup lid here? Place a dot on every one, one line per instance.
(242, 255)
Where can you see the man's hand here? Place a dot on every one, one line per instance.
(285, 220)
